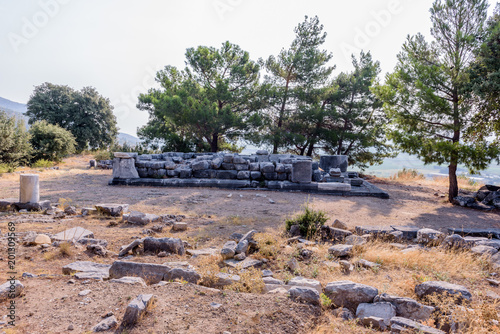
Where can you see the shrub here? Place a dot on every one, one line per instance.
(51, 142)
(42, 163)
(65, 248)
(103, 155)
(309, 221)
(6, 168)
(408, 174)
(15, 148)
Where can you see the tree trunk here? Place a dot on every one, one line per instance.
(214, 144)
(452, 175)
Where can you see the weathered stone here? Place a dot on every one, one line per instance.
(171, 245)
(242, 247)
(224, 279)
(355, 240)
(437, 287)
(334, 186)
(382, 310)
(33, 206)
(9, 288)
(374, 230)
(346, 266)
(227, 174)
(248, 236)
(332, 233)
(124, 169)
(113, 210)
(262, 152)
(484, 250)
(139, 218)
(106, 324)
(375, 323)
(454, 241)
(266, 167)
(130, 247)
(7, 203)
(255, 175)
(74, 233)
(91, 241)
(179, 226)
(150, 272)
(429, 236)
(88, 269)
(301, 171)
(407, 307)
(495, 243)
(326, 162)
(29, 188)
(476, 232)
(343, 313)
(340, 250)
(409, 232)
(415, 326)
(247, 263)
(199, 165)
(97, 250)
(272, 280)
(340, 225)
(136, 309)
(188, 275)
(311, 283)
(129, 280)
(356, 182)
(243, 175)
(366, 264)
(217, 163)
(349, 294)
(202, 252)
(229, 250)
(304, 294)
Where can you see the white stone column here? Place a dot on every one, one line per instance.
(29, 189)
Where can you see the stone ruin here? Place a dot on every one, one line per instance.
(281, 172)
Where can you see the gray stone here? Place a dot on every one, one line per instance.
(202, 252)
(242, 247)
(91, 241)
(332, 233)
(340, 225)
(179, 226)
(334, 187)
(340, 250)
(262, 152)
(199, 165)
(248, 236)
(335, 172)
(88, 269)
(254, 167)
(429, 236)
(301, 171)
(355, 240)
(113, 210)
(382, 310)
(454, 241)
(343, 313)
(243, 174)
(272, 280)
(311, 283)
(247, 263)
(150, 272)
(217, 163)
(476, 232)
(437, 287)
(356, 182)
(266, 167)
(229, 250)
(304, 294)
(7, 203)
(255, 175)
(185, 173)
(241, 167)
(415, 326)
(228, 166)
(239, 160)
(188, 275)
(124, 169)
(407, 307)
(240, 257)
(495, 243)
(227, 174)
(106, 324)
(139, 218)
(171, 245)
(409, 232)
(267, 273)
(136, 309)
(129, 280)
(374, 230)
(375, 323)
(130, 247)
(97, 250)
(366, 264)
(326, 162)
(33, 206)
(349, 294)
(484, 250)
(9, 288)
(224, 279)
(228, 158)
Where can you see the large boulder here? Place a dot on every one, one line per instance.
(170, 245)
(382, 310)
(407, 307)
(429, 288)
(349, 294)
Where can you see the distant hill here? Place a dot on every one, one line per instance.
(19, 109)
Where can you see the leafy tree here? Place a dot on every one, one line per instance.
(85, 113)
(485, 80)
(293, 77)
(204, 106)
(424, 96)
(355, 122)
(51, 142)
(15, 148)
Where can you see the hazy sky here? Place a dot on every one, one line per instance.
(118, 45)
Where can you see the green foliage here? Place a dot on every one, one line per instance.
(485, 81)
(103, 155)
(309, 221)
(325, 301)
(204, 105)
(85, 113)
(6, 168)
(42, 163)
(424, 97)
(51, 142)
(14, 141)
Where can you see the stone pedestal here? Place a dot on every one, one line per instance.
(124, 168)
(302, 171)
(327, 162)
(29, 189)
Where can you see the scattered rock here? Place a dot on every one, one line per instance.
(87, 269)
(150, 272)
(113, 210)
(430, 287)
(366, 264)
(484, 250)
(139, 218)
(341, 250)
(407, 307)
(346, 266)
(187, 275)
(240, 257)
(293, 265)
(304, 294)
(136, 309)
(97, 250)
(129, 280)
(74, 233)
(338, 224)
(349, 294)
(170, 245)
(179, 227)
(355, 240)
(228, 250)
(382, 310)
(11, 287)
(430, 237)
(84, 292)
(246, 263)
(343, 313)
(130, 247)
(375, 323)
(106, 324)
(410, 324)
(311, 283)
(242, 247)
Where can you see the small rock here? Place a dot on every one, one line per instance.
(215, 305)
(429, 237)
(84, 292)
(293, 265)
(267, 273)
(137, 308)
(340, 250)
(493, 282)
(346, 266)
(375, 322)
(106, 324)
(240, 257)
(304, 294)
(162, 254)
(229, 249)
(343, 313)
(179, 226)
(70, 327)
(338, 224)
(6, 292)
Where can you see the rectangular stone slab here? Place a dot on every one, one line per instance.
(150, 272)
(333, 186)
(409, 232)
(73, 233)
(476, 232)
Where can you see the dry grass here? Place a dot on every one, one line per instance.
(409, 176)
(208, 268)
(250, 281)
(65, 249)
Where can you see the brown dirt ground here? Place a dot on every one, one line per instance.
(212, 216)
